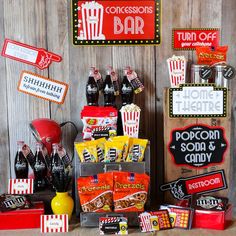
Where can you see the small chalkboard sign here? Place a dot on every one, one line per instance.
(198, 145)
(198, 100)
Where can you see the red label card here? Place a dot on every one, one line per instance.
(189, 39)
(183, 188)
(205, 183)
(116, 22)
(38, 57)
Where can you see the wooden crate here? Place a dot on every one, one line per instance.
(173, 171)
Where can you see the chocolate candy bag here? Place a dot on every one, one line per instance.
(206, 202)
(211, 56)
(87, 151)
(136, 149)
(12, 202)
(113, 151)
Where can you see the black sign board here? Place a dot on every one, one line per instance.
(198, 145)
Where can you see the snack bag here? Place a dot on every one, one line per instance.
(209, 56)
(130, 191)
(87, 151)
(136, 149)
(95, 192)
(100, 143)
(125, 141)
(113, 151)
(12, 202)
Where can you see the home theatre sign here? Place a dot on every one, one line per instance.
(116, 22)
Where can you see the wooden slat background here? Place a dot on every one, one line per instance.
(46, 23)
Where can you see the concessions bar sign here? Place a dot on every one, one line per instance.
(116, 22)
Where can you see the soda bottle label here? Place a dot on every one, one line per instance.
(91, 90)
(20, 166)
(39, 166)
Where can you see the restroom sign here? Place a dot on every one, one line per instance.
(116, 22)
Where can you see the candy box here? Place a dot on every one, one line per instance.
(23, 218)
(211, 219)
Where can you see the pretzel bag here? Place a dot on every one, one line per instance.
(95, 192)
(130, 191)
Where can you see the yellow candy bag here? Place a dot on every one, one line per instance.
(113, 151)
(100, 149)
(136, 149)
(125, 141)
(87, 151)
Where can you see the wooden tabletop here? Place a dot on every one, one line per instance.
(78, 231)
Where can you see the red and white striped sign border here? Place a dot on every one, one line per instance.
(54, 223)
(21, 186)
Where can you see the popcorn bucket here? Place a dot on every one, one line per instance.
(130, 122)
(92, 18)
(177, 67)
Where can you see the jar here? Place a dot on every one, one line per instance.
(200, 74)
(220, 80)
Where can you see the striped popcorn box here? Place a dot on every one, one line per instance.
(177, 66)
(145, 222)
(130, 115)
(21, 186)
(54, 223)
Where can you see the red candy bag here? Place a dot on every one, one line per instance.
(95, 192)
(130, 191)
(209, 56)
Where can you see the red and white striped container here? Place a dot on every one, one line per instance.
(177, 67)
(21, 186)
(130, 122)
(145, 222)
(54, 223)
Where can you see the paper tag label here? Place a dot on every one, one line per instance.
(42, 87)
(54, 223)
(38, 57)
(205, 183)
(20, 186)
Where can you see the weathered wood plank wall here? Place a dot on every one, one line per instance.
(46, 23)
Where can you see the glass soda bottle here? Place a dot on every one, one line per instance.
(92, 90)
(40, 168)
(127, 92)
(57, 165)
(21, 164)
(108, 90)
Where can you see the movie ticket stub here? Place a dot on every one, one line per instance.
(21, 186)
(38, 57)
(42, 87)
(183, 188)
